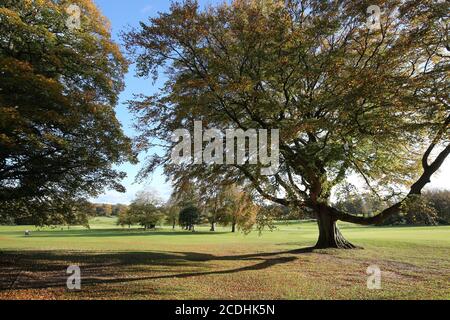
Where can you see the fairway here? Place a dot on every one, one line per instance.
(135, 264)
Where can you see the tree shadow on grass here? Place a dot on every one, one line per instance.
(118, 233)
(47, 269)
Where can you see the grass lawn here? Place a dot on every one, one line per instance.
(133, 264)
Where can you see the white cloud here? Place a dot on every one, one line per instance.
(147, 9)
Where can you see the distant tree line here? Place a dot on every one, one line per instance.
(72, 213)
(107, 210)
(230, 206)
(192, 205)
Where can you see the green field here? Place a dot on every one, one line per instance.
(134, 264)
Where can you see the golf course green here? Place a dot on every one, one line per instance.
(122, 263)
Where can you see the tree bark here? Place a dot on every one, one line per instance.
(213, 227)
(329, 234)
(233, 227)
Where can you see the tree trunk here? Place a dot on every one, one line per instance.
(233, 227)
(174, 225)
(329, 234)
(213, 227)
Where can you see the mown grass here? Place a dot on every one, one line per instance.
(164, 264)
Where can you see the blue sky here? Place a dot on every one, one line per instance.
(123, 14)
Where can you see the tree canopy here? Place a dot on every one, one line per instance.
(146, 209)
(348, 100)
(59, 136)
(189, 217)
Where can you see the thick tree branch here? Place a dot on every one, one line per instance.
(256, 184)
(416, 189)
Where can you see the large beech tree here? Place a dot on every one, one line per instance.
(59, 136)
(348, 100)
